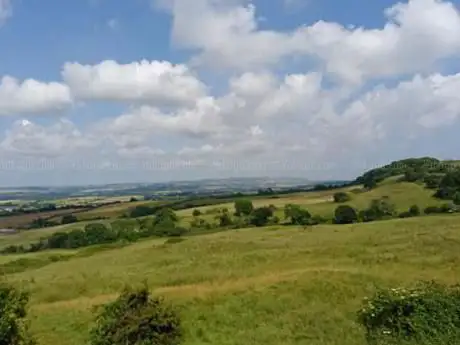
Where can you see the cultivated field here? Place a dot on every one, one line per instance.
(25, 219)
(271, 286)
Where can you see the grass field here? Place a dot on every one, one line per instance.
(271, 286)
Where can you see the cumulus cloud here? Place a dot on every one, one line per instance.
(416, 35)
(32, 96)
(260, 115)
(152, 82)
(31, 139)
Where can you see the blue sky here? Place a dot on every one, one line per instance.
(209, 88)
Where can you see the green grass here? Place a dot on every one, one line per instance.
(271, 286)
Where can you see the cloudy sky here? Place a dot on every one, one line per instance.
(100, 91)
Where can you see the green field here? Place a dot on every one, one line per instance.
(271, 285)
(260, 286)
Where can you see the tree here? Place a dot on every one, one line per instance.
(69, 219)
(414, 211)
(136, 318)
(456, 198)
(379, 209)
(14, 328)
(196, 213)
(224, 219)
(297, 215)
(345, 214)
(341, 197)
(165, 215)
(243, 207)
(261, 216)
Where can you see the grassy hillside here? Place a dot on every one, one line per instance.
(403, 194)
(266, 286)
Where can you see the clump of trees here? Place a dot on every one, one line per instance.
(14, 326)
(163, 224)
(137, 318)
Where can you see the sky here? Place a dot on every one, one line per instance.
(108, 91)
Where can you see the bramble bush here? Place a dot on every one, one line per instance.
(425, 314)
(14, 328)
(137, 318)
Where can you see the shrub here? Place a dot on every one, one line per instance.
(345, 214)
(243, 207)
(13, 324)
(261, 216)
(136, 318)
(425, 314)
(297, 215)
(341, 197)
(196, 213)
(414, 210)
(69, 219)
(378, 209)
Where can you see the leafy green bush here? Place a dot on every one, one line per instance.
(345, 214)
(341, 197)
(243, 207)
(426, 314)
(136, 318)
(261, 216)
(13, 323)
(297, 215)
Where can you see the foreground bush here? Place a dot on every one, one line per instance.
(136, 318)
(426, 314)
(13, 323)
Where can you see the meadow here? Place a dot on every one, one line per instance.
(275, 285)
(271, 285)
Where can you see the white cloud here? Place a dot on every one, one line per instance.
(32, 96)
(417, 35)
(154, 82)
(31, 139)
(6, 10)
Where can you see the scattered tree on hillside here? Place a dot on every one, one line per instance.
(243, 207)
(345, 214)
(261, 216)
(69, 219)
(414, 211)
(196, 213)
(137, 318)
(14, 327)
(378, 209)
(340, 197)
(296, 215)
(224, 218)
